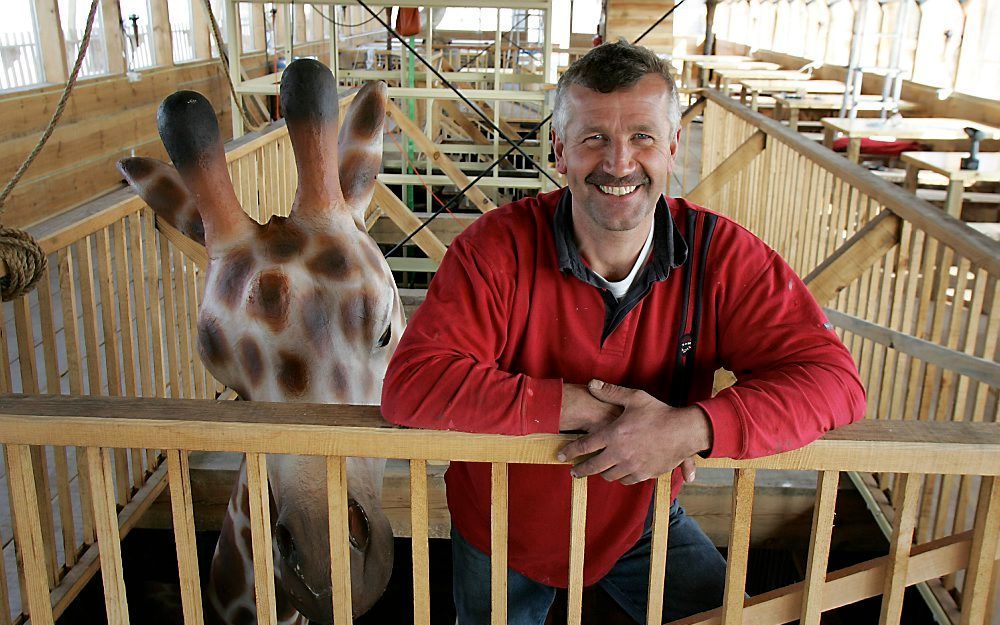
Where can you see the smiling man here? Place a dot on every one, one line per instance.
(606, 308)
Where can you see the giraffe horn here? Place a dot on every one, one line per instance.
(309, 102)
(360, 147)
(190, 132)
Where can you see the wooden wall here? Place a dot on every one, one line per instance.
(106, 119)
(629, 18)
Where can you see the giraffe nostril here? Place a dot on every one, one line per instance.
(286, 544)
(358, 525)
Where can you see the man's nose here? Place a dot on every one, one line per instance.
(619, 159)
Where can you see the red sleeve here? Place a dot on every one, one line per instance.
(795, 378)
(444, 374)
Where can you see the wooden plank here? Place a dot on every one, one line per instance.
(577, 543)
(400, 214)
(136, 247)
(975, 367)
(108, 536)
(456, 175)
(421, 553)
(498, 544)
(28, 533)
(658, 550)
(152, 278)
(260, 537)
(899, 549)
(739, 546)
(340, 554)
(50, 41)
(182, 507)
(850, 585)
(733, 165)
(819, 547)
(983, 552)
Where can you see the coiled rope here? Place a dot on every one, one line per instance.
(25, 259)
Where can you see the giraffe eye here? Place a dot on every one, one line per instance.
(386, 337)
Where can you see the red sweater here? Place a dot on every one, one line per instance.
(503, 327)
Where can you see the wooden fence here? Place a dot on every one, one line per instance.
(911, 290)
(101, 425)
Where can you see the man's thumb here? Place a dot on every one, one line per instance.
(606, 392)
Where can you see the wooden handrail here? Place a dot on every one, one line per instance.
(974, 245)
(316, 429)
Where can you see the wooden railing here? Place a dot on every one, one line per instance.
(911, 290)
(912, 449)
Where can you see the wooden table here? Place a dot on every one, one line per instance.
(725, 77)
(687, 62)
(705, 67)
(790, 105)
(909, 128)
(755, 87)
(949, 164)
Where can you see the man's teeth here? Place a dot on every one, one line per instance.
(617, 190)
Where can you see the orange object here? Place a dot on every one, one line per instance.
(408, 21)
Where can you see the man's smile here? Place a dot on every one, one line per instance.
(617, 190)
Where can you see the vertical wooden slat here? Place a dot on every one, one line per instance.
(28, 532)
(418, 533)
(152, 273)
(179, 474)
(170, 317)
(658, 550)
(260, 536)
(982, 553)
(340, 553)
(577, 544)
(739, 547)
(179, 285)
(196, 366)
(108, 537)
(88, 306)
(819, 547)
(899, 548)
(498, 543)
(25, 335)
(4, 593)
(136, 245)
(105, 283)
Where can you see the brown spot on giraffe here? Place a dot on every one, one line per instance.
(235, 271)
(251, 358)
(281, 239)
(212, 343)
(340, 382)
(334, 261)
(316, 319)
(268, 300)
(357, 312)
(292, 373)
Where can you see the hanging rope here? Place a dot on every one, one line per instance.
(224, 62)
(24, 258)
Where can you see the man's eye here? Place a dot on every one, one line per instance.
(593, 138)
(641, 136)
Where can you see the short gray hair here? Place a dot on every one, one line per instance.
(612, 66)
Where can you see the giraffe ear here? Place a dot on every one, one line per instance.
(190, 132)
(160, 186)
(360, 145)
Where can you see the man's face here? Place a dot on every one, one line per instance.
(617, 153)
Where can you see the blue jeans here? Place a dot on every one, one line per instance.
(695, 578)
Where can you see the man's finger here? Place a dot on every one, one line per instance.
(610, 393)
(615, 473)
(592, 466)
(587, 444)
(688, 469)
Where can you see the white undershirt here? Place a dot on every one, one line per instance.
(620, 288)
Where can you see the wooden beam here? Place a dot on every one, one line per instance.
(163, 44)
(733, 165)
(855, 256)
(470, 129)
(693, 111)
(477, 197)
(979, 369)
(400, 214)
(850, 585)
(113, 36)
(51, 41)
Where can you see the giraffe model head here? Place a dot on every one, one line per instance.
(300, 309)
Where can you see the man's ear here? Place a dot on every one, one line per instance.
(676, 142)
(557, 148)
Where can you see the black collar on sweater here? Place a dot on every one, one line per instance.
(670, 251)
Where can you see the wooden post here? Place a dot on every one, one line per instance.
(51, 41)
(201, 31)
(113, 36)
(159, 15)
(709, 45)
